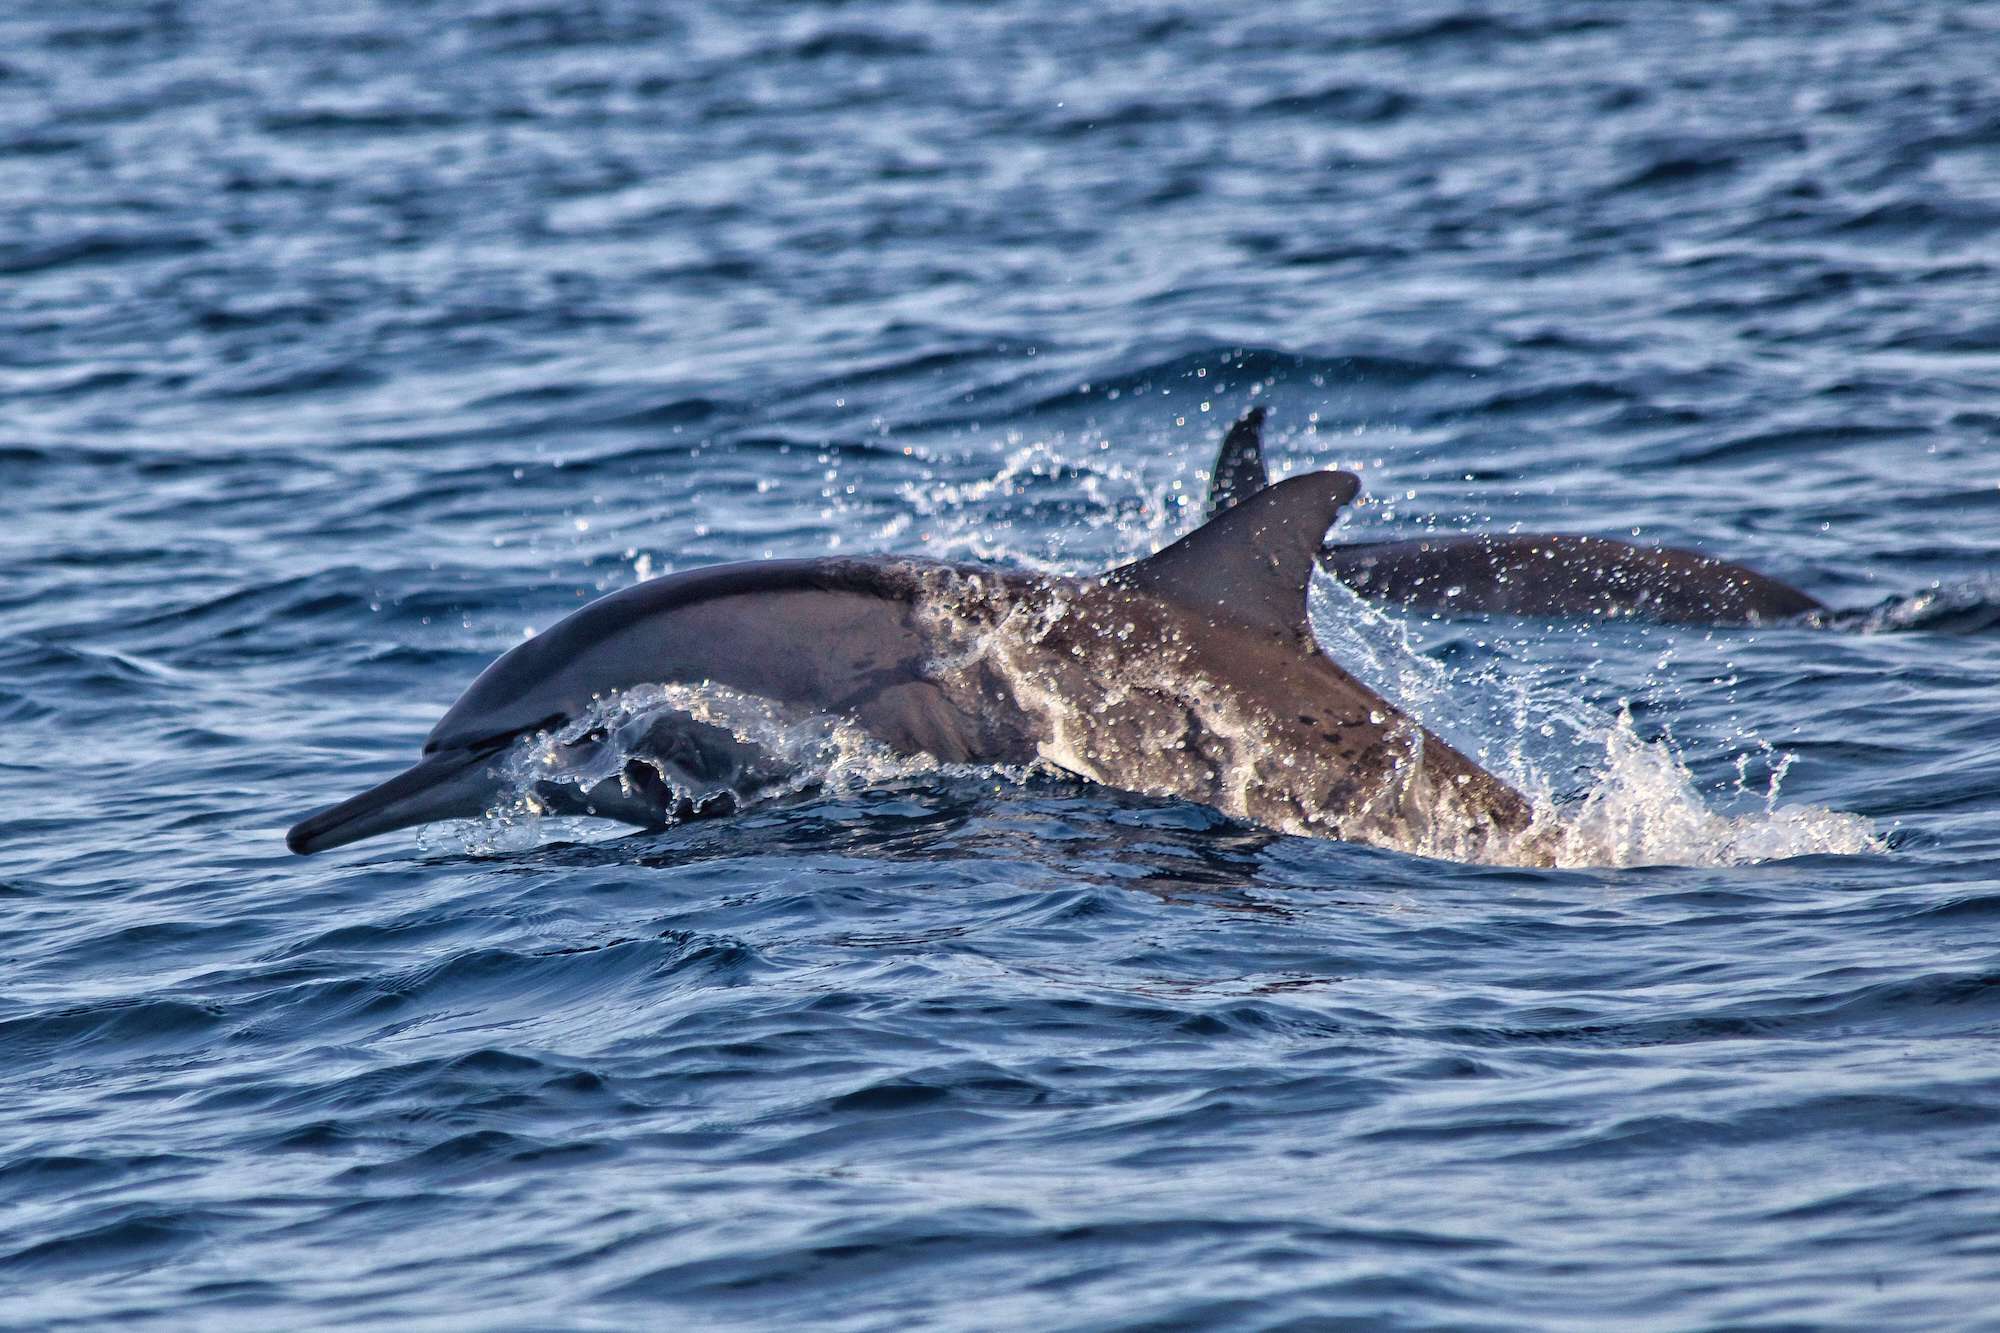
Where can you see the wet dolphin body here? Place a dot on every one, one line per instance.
(1192, 673)
(1527, 574)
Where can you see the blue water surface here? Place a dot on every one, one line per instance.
(343, 345)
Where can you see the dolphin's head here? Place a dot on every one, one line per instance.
(661, 632)
(659, 767)
(537, 686)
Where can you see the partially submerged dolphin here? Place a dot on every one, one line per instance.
(1527, 574)
(1192, 673)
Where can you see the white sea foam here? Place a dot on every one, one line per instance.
(1603, 794)
(1645, 808)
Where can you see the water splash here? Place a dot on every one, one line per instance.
(1603, 794)
(1105, 504)
(1970, 607)
(1644, 807)
(627, 759)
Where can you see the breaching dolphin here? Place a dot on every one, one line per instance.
(1527, 574)
(1192, 673)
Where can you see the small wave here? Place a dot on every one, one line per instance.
(856, 44)
(96, 248)
(1361, 103)
(1677, 170)
(1136, 113)
(74, 1172)
(136, 1025)
(604, 407)
(1941, 220)
(131, 1238)
(280, 376)
(1793, 442)
(1967, 608)
(82, 672)
(488, 1154)
(1544, 399)
(361, 120)
(530, 28)
(1473, 27)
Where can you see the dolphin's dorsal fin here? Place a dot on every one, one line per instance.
(1252, 564)
(1239, 465)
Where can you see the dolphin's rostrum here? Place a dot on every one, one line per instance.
(1192, 673)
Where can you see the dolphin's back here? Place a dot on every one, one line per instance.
(1547, 574)
(1236, 705)
(833, 635)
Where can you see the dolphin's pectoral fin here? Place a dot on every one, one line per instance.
(1239, 465)
(1252, 564)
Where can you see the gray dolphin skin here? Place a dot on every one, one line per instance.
(1239, 465)
(1192, 674)
(1527, 574)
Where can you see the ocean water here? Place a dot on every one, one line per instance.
(343, 346)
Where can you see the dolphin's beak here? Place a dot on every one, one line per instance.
(452, 784)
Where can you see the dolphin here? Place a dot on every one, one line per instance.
(1537, 574)
(1192, 673)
